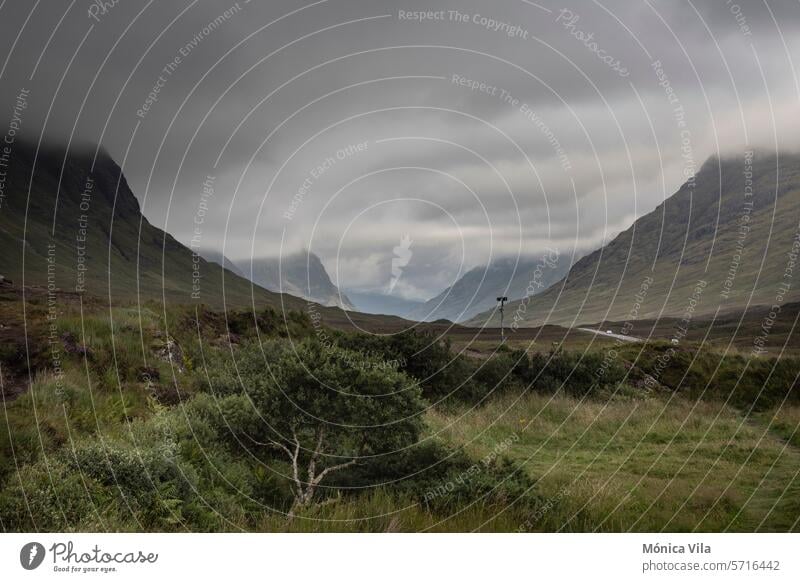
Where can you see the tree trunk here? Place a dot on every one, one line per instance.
(304, 492)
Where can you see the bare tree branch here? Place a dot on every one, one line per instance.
(293, 458)
(272, 443)
(305, 491)
(312, 464)
(277, 445)
(333, 468)
(295, 467)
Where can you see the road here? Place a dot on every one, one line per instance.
(619, 336)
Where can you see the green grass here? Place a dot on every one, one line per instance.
(381, 511)
(784, 423)
(641, 465)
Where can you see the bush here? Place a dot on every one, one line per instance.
(444, 479)
(49, 497)
(443, 376)
(577, 374)
(761, 385)
(224, 371)
(757, 383)
(321, 409)
(136, 472)
(503, 371)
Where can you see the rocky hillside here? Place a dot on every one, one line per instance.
(301, 274)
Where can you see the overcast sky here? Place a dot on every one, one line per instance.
(572, 136)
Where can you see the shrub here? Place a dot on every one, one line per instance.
(323, 409)
(577, 374)
(757, 383)
(49, 497)
(444, 479)
(503, 371)
(147, 476)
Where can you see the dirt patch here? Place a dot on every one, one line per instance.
(11, 387)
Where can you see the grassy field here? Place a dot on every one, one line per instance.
(643, 465)
(124, 438)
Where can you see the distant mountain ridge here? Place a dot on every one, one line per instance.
(215, 256)
(301, 274)
(729, 230)
(380, 302)
(478, 289)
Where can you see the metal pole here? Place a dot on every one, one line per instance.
(502, 301)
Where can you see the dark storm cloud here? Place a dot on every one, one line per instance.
(568, 133)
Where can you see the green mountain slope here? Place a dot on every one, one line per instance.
(721, 243)
(81, 230)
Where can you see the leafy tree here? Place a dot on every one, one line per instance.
(325, 409)
(441, 373)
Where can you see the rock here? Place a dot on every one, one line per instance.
(170, 351)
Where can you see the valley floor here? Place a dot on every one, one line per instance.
(620, 458)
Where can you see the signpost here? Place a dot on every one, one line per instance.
(502, 301)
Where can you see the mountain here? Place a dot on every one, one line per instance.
(81, 230)
(377, 302)
(215, 256)
(478, 289)
(725, 241)
(301, 274)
